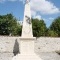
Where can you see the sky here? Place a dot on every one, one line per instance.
(47, 10)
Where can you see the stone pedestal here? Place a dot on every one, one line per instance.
(27, 45)
(27, 50)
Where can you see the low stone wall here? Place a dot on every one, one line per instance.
(42, 44)
(9, 44)
(47, 44)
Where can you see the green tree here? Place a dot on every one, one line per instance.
(51, 33)
(39, 27)
(9, 25)
(55, 26)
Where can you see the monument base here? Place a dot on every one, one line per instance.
(27, 45)
(26, 57)
(27, 50)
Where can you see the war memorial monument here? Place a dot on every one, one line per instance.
(27, 39)
(27, 47)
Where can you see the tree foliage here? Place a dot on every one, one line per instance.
(8, 25)
(55, 26)
(39, 27)
(51, 33)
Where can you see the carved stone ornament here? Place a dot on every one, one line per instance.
(28, 20)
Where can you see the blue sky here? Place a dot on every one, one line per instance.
(41, 9)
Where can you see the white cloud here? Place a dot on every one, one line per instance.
(44, 7)
(33, 13)
(38, 17)
(51, 18)
(41, 6)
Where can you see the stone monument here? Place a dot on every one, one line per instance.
(27, 25)
(27, 39)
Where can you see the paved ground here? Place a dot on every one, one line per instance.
(49, 56)
(6, 56)
(43, 56)
(43, 48)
